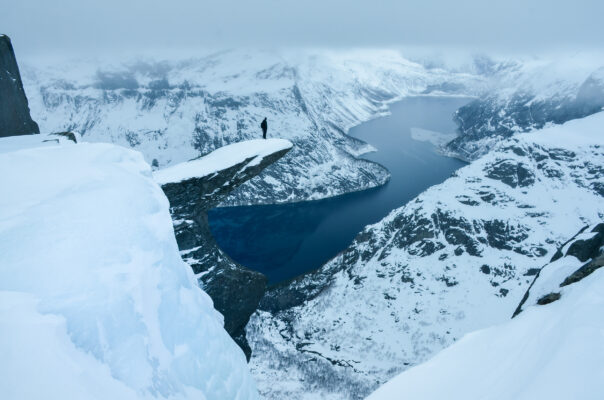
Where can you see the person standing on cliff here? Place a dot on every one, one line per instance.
(264, 127)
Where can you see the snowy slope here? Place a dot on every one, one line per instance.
(550, 351)
(527, 94)
(456, 259)
(95, 301)
(173, 111)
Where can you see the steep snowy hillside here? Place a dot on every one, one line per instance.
(174, 111)
(95, 300)
(457, 258)
(550, 351)
(527, 95)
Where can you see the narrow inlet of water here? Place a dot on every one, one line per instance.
(283, 241)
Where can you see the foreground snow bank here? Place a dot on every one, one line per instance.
(95, 301)
(223, 158)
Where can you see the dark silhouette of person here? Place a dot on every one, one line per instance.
(264, 127)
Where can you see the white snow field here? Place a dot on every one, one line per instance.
(547, 352)
(95, 301)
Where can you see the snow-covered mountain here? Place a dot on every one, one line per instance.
(95, 300)
(524, 95)
(550, 351)
(456, 259)
(173, 111)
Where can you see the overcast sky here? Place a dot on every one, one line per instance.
(85, 26)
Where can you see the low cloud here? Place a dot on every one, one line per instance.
(80, 26)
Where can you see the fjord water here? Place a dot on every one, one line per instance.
(283, 241)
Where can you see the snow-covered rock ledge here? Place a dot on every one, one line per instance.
(193, 188)
(250, 151)
(95, 300)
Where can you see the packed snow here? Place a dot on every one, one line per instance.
(14, 143)
(222, 158)
(95, 301)
(552, 352)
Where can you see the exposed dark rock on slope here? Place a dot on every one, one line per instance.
(234, 289)
(575, 260)
(14, 109)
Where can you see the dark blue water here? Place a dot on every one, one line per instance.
(283, 241)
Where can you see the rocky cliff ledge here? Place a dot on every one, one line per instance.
(14, 109)
(195, 187)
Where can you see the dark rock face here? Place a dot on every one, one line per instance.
(588, 251)
(14, 109)
(511, 173)
(235, 290)
(548, 298)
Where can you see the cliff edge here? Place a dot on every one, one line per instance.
(193, 188)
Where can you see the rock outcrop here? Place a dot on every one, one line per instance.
(575, 260)
(14, 109)
(235, 289)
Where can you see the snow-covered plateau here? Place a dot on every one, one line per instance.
(456, 259)
(95, 300)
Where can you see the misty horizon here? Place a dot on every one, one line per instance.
(73, 28)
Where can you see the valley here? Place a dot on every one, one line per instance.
(285, 240)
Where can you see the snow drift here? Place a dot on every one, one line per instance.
(95, 301)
